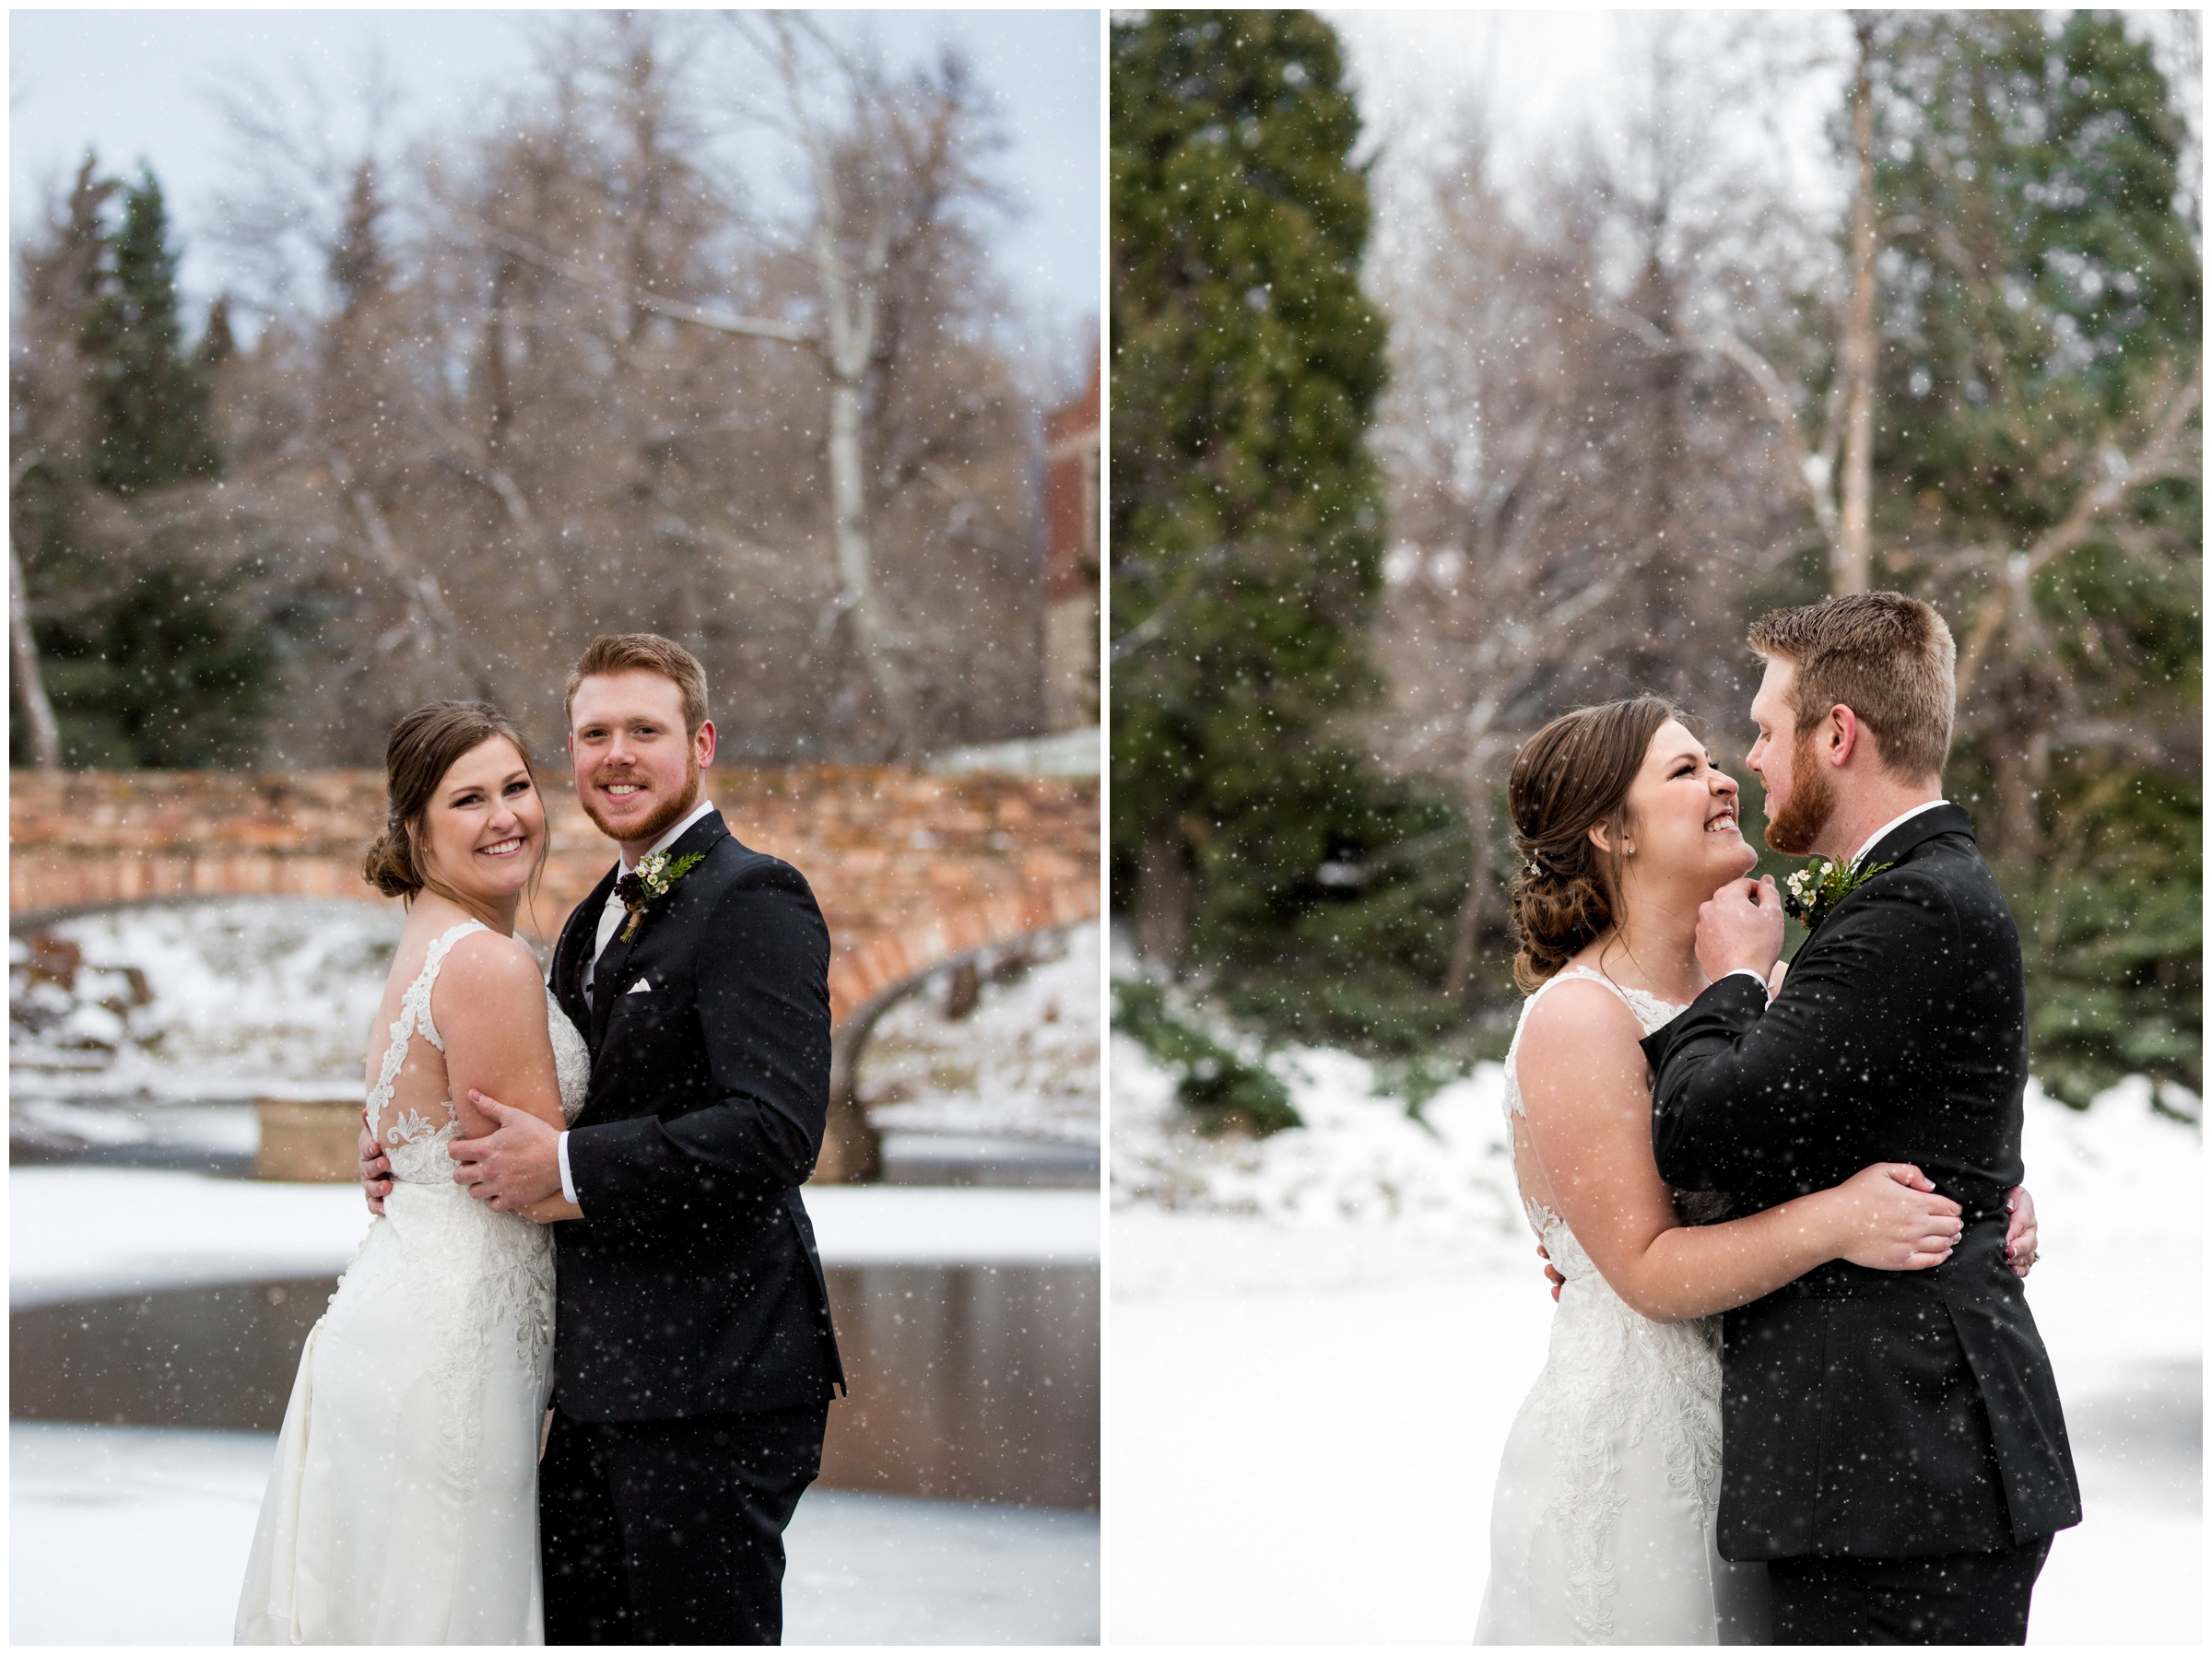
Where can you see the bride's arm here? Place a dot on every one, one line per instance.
(1587, 1091)
(489, 1005)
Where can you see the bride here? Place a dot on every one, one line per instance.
(403, 1507)
(1602, 1525)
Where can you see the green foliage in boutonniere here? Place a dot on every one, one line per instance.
(1813, 890)
(651, 880)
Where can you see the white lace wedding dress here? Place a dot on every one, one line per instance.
(403, 1509)
(1601, 1529)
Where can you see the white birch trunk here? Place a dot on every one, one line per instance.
(23, 663)
(1851, 569)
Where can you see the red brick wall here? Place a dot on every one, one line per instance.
(909, 868)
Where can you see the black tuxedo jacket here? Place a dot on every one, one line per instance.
(1870, 1412)
(692, 1284)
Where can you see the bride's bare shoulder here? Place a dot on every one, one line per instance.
(1576, 1021)
(488, 971)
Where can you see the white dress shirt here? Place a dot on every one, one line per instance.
(1882, 832)
(610, 917)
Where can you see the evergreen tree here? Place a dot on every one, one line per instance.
(150, 401)
(146, 654)
(218, 343)
(2041, 301)
(1246, 512)
(166, 674)
(359, 270)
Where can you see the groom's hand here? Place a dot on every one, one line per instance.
(2020, 1239)
(1739, 929)
(1551, 1272)
(512, 1166)
(376, 1171)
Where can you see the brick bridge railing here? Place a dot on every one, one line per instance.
(913, 870)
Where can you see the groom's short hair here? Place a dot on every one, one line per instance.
(644, 653)
(1888, 657)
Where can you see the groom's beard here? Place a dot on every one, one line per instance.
(661, 820)
(1812, 801)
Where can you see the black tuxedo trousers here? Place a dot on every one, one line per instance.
(671, 1531)
(693, 1355)
(1877, 1414)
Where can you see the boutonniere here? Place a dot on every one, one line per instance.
(1812, 892)
(652, 879)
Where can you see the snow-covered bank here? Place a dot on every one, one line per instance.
(1022, 1063)
(174, 1510)
(232, 999)
(125, 1025)
(1368, 1305)
(79, 1232)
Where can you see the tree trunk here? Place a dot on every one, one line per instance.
(1850, 572)
(2020, 828)
(1469, 923)
(1167, 897)
(851, 1147)
(23, 661)
(855, 556)
(2020, 754)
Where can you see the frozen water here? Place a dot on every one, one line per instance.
(1370, 1305)
(122, 1535)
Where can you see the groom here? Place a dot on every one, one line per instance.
(1891, 1445)
(693, 1357)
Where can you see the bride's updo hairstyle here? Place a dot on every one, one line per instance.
(1569, 777)
(423, 746)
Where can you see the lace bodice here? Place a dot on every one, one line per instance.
(413, 1144)
(1614, 1380)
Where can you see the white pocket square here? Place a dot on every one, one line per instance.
(640, 987)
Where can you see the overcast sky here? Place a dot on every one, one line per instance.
(1542, 78)
(135, 84)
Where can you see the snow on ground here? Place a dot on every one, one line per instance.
(79, 1232)
(175, 1511)
(1023, 1064)
(1366, 1310)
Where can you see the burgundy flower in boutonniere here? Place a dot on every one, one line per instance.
(651, 880)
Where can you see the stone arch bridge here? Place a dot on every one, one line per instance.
(913, 871)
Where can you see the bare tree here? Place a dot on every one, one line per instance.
(553, 374)
(1850, 566)
(888, 161)
(1590, 466)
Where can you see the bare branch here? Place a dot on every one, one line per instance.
(751, 327)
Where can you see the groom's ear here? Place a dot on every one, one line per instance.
(1842, 734)
(703, 739)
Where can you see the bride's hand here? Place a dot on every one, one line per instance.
(1890, 1218)
(1551, 1272)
